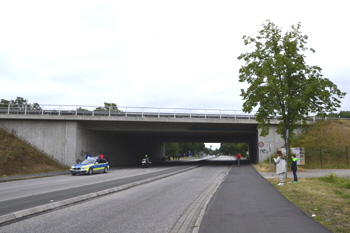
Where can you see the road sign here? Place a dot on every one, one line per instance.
(261, 144)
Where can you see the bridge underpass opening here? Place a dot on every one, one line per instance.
(177, 150)
(125, 143)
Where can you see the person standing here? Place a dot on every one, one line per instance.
(294, 168)
(280, 166)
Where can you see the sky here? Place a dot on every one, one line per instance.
(166, 54)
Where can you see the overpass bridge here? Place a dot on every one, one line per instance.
(126, 134)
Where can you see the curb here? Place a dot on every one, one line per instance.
(47, 207)
(191, 219)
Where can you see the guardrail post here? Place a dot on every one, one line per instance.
(174, 113)
(158, 113)
(25, 110)
(126, 112)
(109, 111)
(220, 114)
(205, 114)
(141, 112)
(8, 109)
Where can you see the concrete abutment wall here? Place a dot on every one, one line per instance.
(126, 142)
(64, 141)
(57, 140)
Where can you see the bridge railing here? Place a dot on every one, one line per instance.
(120, 111)
(84, 110)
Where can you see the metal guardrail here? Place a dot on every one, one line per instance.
(83, 110)
(120, 111)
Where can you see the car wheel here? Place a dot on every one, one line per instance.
(105, 170)
(90, 171)
(73, 174)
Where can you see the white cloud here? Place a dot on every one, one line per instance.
(152, 53)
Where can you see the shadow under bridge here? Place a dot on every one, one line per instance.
(127, 141)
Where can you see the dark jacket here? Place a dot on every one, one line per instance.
(294, 164)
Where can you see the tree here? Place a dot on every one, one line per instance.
(191, 148)
(172, 149)
(175, 148)
(109, 106)
(341, 114)
(234, 148)
(282, 85)
(19, 103)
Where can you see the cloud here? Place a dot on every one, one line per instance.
(152, 53)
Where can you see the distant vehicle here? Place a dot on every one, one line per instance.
(90, 165)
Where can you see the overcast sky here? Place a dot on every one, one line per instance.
(176, 54)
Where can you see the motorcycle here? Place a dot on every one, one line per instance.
(144, 163)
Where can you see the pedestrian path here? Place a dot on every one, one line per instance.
(246, 202)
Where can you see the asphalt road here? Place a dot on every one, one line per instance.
(159, 199)
(20, 195)
(170, 204)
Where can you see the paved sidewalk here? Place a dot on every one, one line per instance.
(246, 202)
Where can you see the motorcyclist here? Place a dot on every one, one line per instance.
(147, 159)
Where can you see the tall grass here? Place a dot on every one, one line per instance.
(327, 144)
(327, 157)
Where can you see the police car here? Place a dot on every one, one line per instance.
(90, 165)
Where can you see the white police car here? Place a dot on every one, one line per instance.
(90, 165)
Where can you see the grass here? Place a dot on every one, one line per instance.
(18, 158)
(327, 198)
(326, 145)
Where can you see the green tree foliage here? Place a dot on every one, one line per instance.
(19, 103)
(109, 106)
(234, 148)
(191, 148)
(4, 103)
(341, 114)
(174, 148)
(80, 109)
(282, 85)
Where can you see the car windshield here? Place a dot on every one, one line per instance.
(88, 161)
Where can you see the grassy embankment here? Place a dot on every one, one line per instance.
(326, 199)
(18, 158)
